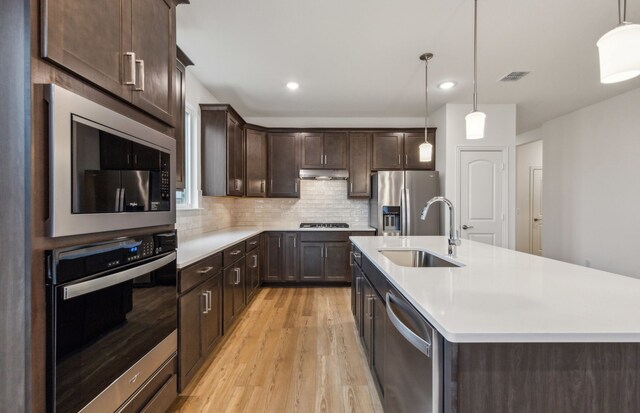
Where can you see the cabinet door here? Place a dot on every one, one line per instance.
(335, 150)
(312, 150)
(412, 142)
(256, 163)
(212, 319)
(234, 147)
(89, 38)
(252, 281)
(291, 258)
(238, 155)
(238, 288)
(360, 165)
(179, 95)
(311, 261)
(274, 255)
(359, 281)
(191, 308)
(153, 39)
(230, 276)
(377, 349)
(336, 258)
(367, 317)
(284, 165)
(387, 151)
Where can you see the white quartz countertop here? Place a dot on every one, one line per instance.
(502, 295)
(196, 249)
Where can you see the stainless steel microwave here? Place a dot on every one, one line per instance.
(107, 172)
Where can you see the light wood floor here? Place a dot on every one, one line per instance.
(293, 350)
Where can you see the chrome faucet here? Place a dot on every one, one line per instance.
(454, 239)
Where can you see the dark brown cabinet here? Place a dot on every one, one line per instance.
(284, 165)
(222, 143)
(256, 163)
(312, 261)
(234, 293)
(412, 142)
(125, 47)
(200, 313)
(252, 281)
(359, 165)
(387, 151)
(367, 317)
(281, 257)
(336, 258)
(378, 314)
(324, 150)
(180, 93)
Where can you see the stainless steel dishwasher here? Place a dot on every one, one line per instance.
(413, 360)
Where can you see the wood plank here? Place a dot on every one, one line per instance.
(293, 350)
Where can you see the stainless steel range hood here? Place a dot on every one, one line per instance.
(324, 174)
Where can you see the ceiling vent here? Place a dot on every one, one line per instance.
(514, 76)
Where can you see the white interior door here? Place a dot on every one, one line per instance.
(536, 211)
(482, 198)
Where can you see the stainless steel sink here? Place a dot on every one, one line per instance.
(416, 258)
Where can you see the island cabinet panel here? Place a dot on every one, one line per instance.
(367, 318)
(377, 341)
(125, 47)
(542, 377)
(359, 165)
(256, 163)
(412, 142)
(283, 165)
(387, 151)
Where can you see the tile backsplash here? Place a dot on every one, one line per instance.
(320, 201)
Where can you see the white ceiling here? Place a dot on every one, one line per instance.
(359, 58)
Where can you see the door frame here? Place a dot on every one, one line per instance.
(505, 185)
(531, 171)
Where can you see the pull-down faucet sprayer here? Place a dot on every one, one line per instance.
(454, 239)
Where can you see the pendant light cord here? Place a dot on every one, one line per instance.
(475, 55)
(622, 11)
(426, 97)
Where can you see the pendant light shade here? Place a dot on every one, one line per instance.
(619, 51)
(426, 148)
(475, 119)
(475, 125)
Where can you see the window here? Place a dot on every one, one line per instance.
(189, 197)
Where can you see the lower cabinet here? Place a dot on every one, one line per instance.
(325, 261)
(252, 280)
(234, 293)
(281, 257)
(200, 313)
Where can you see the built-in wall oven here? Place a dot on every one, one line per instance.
(107, 171)
(111, 320)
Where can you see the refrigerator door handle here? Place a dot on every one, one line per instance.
(403, 213)
(407, 221)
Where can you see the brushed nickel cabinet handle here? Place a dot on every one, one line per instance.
(296, 186)
(236, 252)
(399, 159)
(406, 159)
(130, 69)
(210, 300)
(139, 86)
(350, 258)
(325, 159)
(204, 270)
(206, 302)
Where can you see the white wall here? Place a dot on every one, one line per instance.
(531, 136)
(500, 131)
(591, 184)
(527, 156)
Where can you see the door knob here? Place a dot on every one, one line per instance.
(467, 226)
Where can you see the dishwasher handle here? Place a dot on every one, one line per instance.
(416, 341)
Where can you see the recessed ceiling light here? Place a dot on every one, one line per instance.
(293, 85)
(446, 85)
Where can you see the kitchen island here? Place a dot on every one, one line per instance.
(519, 333)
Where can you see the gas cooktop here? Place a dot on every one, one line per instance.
(323, 225)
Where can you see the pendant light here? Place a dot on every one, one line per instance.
(475, 119)
(426, 149)
(619, 50)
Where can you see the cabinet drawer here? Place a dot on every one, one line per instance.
(252, 243)
(322, 236)
(356, 255)
(197, 273)
(156, 384)
(163, 398)
(233, 254)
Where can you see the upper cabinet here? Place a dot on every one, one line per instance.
(123, 46)
(182, 61)
(222, 143)
(256, 163)
(283, 165)
(398, 151)
(324, 150)
(387, 150)
(412, 142)
(359, 165)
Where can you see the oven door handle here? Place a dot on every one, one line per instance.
(76, 290)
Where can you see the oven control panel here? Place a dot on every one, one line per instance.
(144, 249)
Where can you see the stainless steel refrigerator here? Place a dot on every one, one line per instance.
(397, 199)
